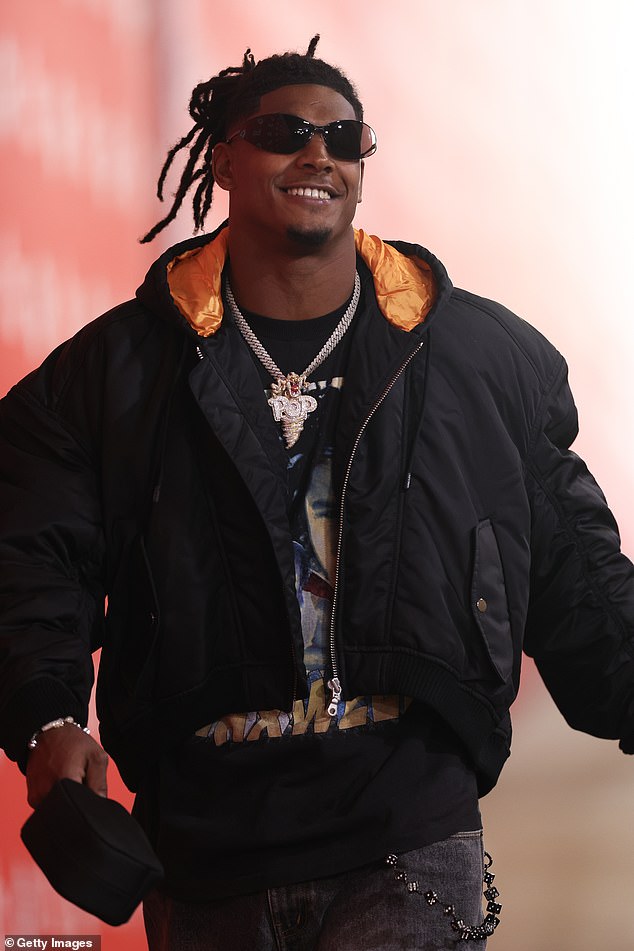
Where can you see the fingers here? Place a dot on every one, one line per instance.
(65, 753)
(96, 772)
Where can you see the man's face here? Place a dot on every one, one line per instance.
(269, 193)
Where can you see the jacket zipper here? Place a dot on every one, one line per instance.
(334, 684)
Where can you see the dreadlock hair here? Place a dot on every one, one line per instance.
(235, 94)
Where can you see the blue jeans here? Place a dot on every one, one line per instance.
(367, 909)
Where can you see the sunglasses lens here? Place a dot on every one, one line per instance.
(368, 141)
(277, 133)
(350, 139)
(347, 139)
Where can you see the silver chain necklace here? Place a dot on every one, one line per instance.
(289, 403)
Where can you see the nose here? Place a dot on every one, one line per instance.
(315, 154)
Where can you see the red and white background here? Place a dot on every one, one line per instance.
(506, 145)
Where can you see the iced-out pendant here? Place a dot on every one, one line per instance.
(290, 406)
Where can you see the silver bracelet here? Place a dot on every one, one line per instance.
(54, 725)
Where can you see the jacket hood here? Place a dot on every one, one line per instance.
(187, 279)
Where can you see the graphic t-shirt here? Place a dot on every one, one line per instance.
(264, 798)
(313, 515)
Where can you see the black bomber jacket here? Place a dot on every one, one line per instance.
(140, 464)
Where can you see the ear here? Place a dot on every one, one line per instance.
(222, 166)
(360, 191)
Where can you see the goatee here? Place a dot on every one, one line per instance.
(315, 238)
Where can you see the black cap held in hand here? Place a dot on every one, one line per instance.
(92, 851)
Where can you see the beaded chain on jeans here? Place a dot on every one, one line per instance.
(464, 932)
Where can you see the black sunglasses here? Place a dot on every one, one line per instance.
(348, 139)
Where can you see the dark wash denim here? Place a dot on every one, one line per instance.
(366, 909)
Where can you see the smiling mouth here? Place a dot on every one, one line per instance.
(302, 192)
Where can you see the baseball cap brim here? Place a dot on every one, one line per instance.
(92, 851)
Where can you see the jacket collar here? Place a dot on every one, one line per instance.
(405, 287)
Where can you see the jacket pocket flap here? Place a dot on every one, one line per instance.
(489, 603)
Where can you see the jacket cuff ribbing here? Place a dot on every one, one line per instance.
(29, 708)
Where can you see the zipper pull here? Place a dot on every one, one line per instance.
(335, 686)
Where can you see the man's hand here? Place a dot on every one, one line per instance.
(65, 753)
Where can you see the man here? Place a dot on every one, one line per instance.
(329, 498)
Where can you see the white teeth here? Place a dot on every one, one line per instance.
(309, 192)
